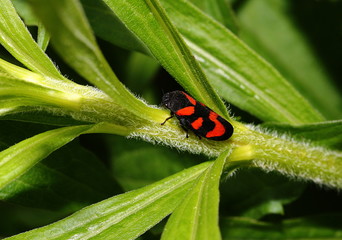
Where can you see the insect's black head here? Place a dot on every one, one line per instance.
(166, 99)
(171, 100)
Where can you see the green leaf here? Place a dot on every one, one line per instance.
(15, 37)
(325, 227)
(139, 72)
(220, 10)
(125, 216)
(149, 22)
(197, 216)
(254, 193)
(43, 37)
(24, 10)
(324, 133)
(18, 159)
(239, 74)
(67, 180)
(273, 31)
(74, 41)
(108, 27)
(14, 132)
(137, 164)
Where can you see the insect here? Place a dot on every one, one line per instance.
(196, 116)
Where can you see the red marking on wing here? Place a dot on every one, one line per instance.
(218, 130)
(187, 111)
(193, 101)
(197, 123)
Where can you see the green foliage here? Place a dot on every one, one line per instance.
(301, 66)
(111, 187)
(199, 208)
(308, 227)
(124, 216)
(68, 179)
(323, 133)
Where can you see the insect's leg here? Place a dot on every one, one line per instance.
(172, 114)
(186, 131)
(199, 137)
(184, 124)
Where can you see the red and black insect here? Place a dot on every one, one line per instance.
(197, 117)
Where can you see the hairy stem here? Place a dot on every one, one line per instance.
(254, 147)
(292, 158)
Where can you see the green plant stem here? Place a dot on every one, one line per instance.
(254, 147)
(289, 157)
(51, 97)
(21, 87)
(267, 150)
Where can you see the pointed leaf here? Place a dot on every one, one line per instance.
(273, 30)
(165, 44)
(125, 216)
(25, 12)
(197, 216)
(240, 75)
(19, 158)
(43, 37)
(108, 27)
(15, 37)
(67, 180)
